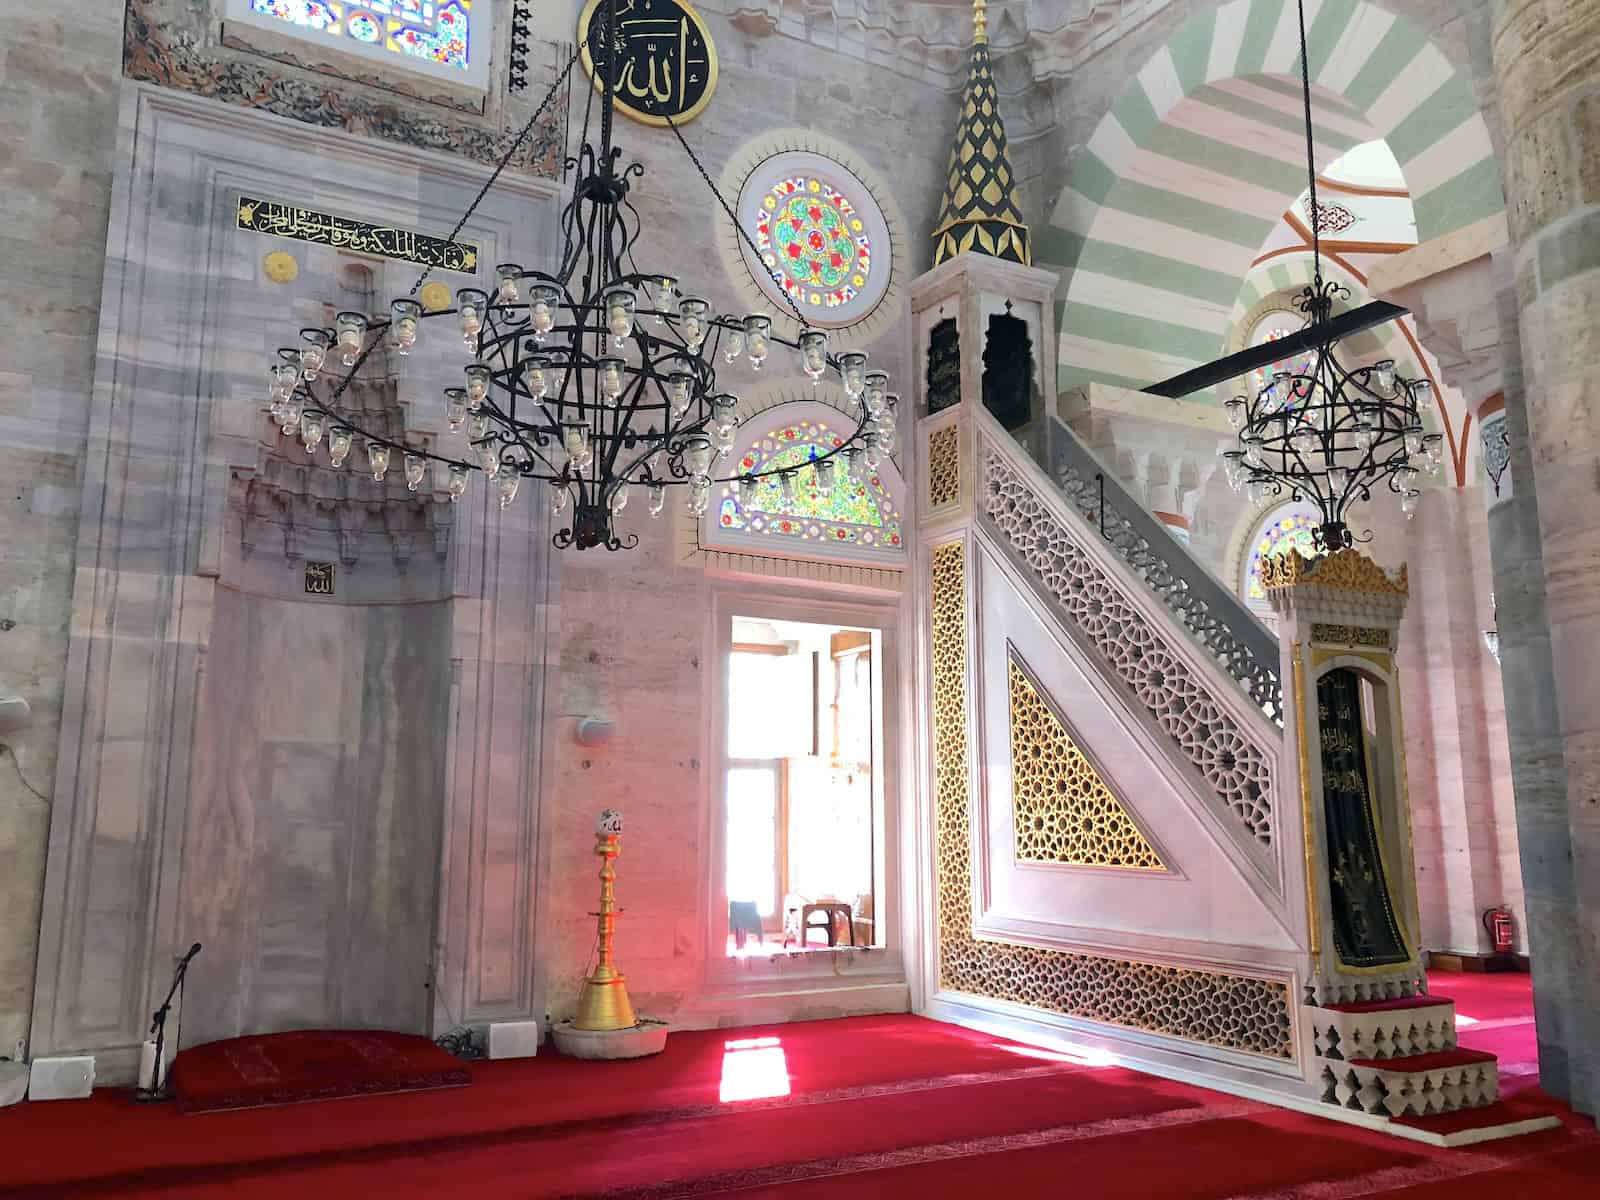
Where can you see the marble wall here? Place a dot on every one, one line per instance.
(317, 815)
(58, 103)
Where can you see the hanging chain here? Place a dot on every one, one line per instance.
(1311, 158)
(738, 228)
(505, 161)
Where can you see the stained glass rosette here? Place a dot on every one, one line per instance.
(1261, 377)
(428, 29)
(854, 514)
(1292, 531)
(813, 242)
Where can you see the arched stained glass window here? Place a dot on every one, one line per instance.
(1288, 528)
(1275, 325)
(434, 33)
(859, 515)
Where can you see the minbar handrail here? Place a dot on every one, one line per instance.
(1235, 638)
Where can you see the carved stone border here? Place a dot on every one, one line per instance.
(177, 45)
(730, 246)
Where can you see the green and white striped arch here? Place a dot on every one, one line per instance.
(1171, 200)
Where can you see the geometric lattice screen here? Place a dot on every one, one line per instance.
(1064, 811)
(1240, 1012)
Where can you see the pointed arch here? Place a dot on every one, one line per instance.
(1176, 191)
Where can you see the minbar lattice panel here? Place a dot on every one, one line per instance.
(944, 471)
(1062, 809)
(1233, 1011)
(1238, 770)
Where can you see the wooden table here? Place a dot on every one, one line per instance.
(834, 909)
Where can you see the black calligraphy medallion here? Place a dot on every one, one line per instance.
(385, 241)
(664, 64)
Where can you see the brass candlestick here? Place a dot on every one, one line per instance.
(603, 1005)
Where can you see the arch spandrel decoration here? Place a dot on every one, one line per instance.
(861, 522)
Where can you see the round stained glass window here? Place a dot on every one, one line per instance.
(813, 242)
(820, 240)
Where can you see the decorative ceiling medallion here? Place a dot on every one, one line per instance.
(280, 267)
(818, 237)
(666, 61)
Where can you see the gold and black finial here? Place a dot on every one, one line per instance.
(979, 211)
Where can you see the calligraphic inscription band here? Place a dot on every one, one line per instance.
(386, 241)
(1350, 635)
(664, 63)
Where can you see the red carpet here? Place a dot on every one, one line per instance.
(1495, 1013)
(310, 1064)
(869, 1107)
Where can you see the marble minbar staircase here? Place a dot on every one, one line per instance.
(1398, 1058)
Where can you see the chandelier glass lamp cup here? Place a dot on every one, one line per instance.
(416, 468)
(340, 439)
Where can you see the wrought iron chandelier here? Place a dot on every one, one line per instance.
(594, 378)
(1327, 434)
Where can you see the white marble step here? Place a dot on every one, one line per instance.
(1418, 1085)
(1383, 1029)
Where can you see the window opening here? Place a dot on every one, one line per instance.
(802, 817)
(1008, 370)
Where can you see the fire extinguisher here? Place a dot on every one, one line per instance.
(1497, 921)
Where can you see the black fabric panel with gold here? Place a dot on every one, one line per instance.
(980, 210)
(1366, 930)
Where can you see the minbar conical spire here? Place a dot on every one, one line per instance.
(979, 211)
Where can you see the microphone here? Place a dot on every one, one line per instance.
(193, 950)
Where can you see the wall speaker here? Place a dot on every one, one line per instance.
(61, 1078)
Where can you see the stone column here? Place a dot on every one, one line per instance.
(1460, 292)
(1547, 61)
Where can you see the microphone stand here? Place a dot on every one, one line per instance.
(158, 1026)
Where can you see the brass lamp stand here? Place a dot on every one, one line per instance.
(603, 1005)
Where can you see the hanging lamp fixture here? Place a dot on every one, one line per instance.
(593, 378)
(1328, 435)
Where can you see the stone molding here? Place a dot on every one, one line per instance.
(932, 41)
(180, 45)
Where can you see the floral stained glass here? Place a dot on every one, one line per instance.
(1277, 326)
(813, 242)
(852, 514)
(436, 30)
(1292, 531)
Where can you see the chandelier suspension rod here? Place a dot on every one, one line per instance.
(1311, 157)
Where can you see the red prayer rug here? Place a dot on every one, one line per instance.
(311, 1064)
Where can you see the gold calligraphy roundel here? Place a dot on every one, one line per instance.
(663, 62)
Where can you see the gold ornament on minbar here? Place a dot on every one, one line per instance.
(603, 1005)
